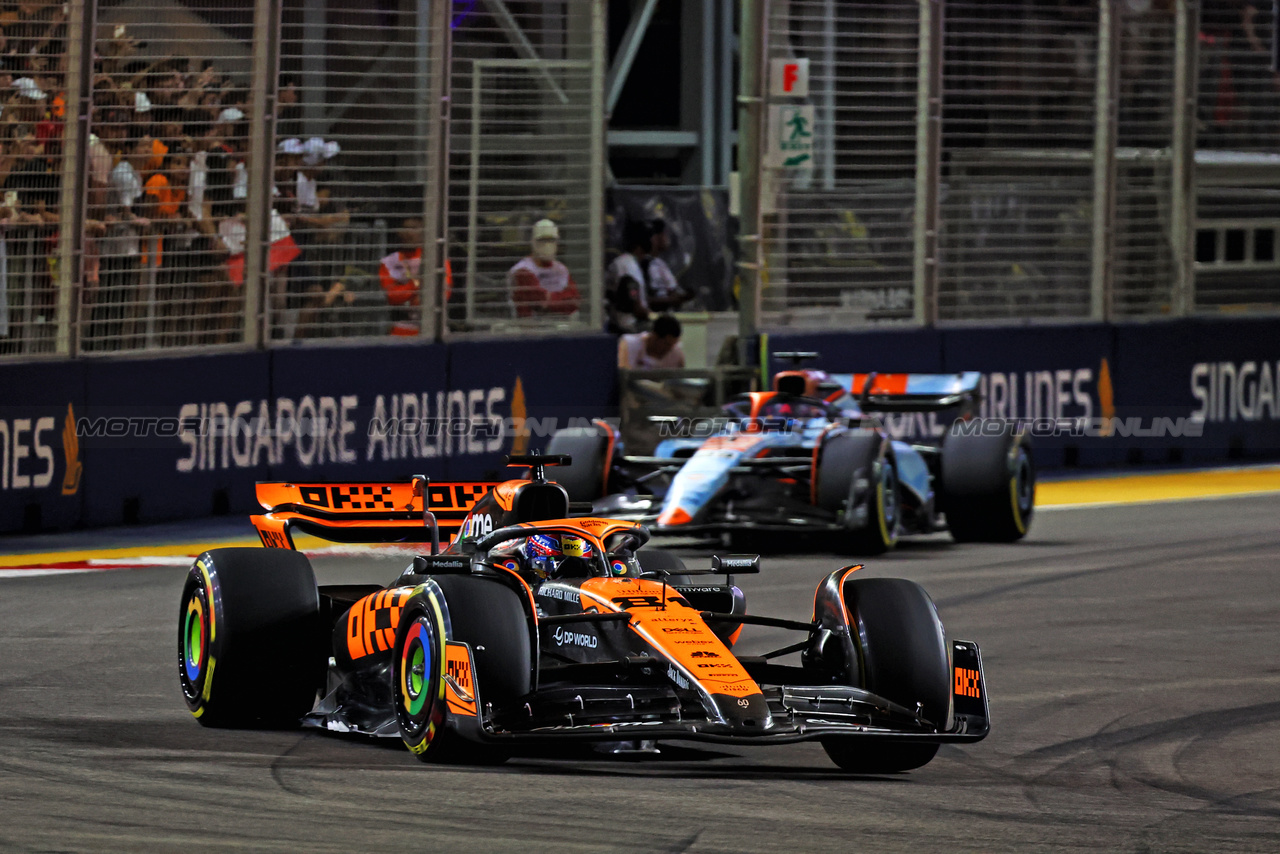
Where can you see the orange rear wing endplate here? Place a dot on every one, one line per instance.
(363, 512)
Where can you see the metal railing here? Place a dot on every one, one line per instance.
(973, 160)
(200, 174)
(206, 174)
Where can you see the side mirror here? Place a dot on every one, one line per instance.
(735, 563)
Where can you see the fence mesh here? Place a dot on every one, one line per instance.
(167, 176)
(33, 38)
(168, 170)
(523, 88)
(1237, 160)
(349, 165)
(838, 243)
(1143, 271)
(1017, 139)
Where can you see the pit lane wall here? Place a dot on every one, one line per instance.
(103, 442)
(106, 442)
(1185, 391)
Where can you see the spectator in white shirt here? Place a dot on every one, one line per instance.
(659, 348)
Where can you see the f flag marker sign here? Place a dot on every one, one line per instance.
(790, 124)
(789, 78)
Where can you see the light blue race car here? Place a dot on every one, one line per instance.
(814, 453)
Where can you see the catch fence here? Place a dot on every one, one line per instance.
(191, 174)
(185, 174)
(979, 161)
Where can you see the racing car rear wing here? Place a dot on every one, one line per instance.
(415, 512)
(914, 392)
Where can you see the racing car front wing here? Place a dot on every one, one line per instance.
(798, 713)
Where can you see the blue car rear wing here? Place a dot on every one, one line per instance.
(912, 392)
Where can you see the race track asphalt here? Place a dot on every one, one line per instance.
(1132, 657)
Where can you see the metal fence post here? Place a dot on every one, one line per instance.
(434, 323)
(1183, 161)
(1104, 165)
(262, 115)
(595, 191)
(751, 115)
(81, 26)
(928, 163)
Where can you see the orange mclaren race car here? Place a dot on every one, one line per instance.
(534, 625)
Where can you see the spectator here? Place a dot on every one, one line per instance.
(539, 284)
(121, 249)
(658, 348)
(399, 274)
(316, 223)
(626, 310)
(662, 291)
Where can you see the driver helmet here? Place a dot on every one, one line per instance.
(553, 555)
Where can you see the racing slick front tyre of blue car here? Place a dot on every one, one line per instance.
(988, 486)
(584, 478)
(250, 641)
(857, 477)
(903, 652)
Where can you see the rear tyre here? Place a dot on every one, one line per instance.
(251, 650)
(584, 478)
(904, 659)
(988, 486)
(857, 475)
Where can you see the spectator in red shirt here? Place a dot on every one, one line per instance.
(539, 283)
(401, 276)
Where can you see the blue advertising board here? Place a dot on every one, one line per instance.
(1193, 390)
(171, 438)
(42, 463)
(101, 442)
(539, 386)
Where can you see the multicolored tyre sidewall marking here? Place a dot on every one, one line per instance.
(197, 634)
(417, 675)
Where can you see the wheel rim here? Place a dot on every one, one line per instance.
(1024, 485)
(416, 668)
(887, 487)
(193, 642)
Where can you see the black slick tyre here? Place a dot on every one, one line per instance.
(903, 658)
(857, 475)
(489, 618)
(251, 650)
(988, 486)
(584, 479)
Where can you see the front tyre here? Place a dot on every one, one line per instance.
(417, 681)
(857, 475)
(904, 657)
